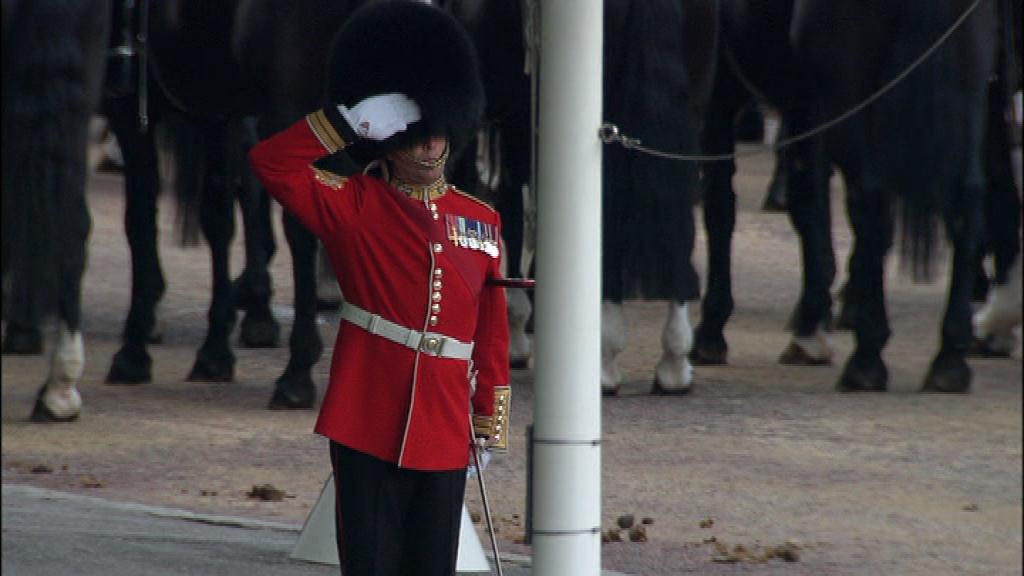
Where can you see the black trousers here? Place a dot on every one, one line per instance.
(394, 521)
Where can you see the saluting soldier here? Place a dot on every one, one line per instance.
(420, 364)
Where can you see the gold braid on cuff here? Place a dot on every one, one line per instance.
(496, 427)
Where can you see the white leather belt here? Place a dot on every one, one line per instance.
(430, 343)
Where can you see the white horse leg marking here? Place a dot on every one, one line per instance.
(613, 341)
(519, 310)
(995, 322)
(674, 372)
(60, 394)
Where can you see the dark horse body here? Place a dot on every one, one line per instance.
(658, 65)
(210, 159)
(918, 147)
(498, 34)
(53, 65)
(223, 64)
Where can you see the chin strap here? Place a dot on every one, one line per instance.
(431, 164)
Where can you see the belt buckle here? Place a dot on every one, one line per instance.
(433, 345)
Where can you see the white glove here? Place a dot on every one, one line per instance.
(485, 458)
(382, 116)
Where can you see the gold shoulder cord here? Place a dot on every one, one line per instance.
(329, 179)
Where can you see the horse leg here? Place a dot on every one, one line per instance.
(132, 363)
(749, 122)
(514, 156)
(328, 294)
(1001, 312)
(215, 362)
(949, 371)
(809, 212)
(295, 389)
(872, 226)
(520, 346)
(253, 289)
(613, 341)
(59, 399)
(719, 207)
(847, 317)
(674, 374)
(995, 321)
(775, 199)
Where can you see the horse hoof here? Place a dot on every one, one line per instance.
(128, 368)
(259, 332)
(659, 390)
(709, 354)
(949, 374)
(293, 395)
(23, 341)
(992, 347)
(794, 355)
(861, 376)
(212, 368)
(42, 413)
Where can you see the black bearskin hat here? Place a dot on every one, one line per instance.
(415, 49)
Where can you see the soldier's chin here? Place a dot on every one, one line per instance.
(419, 175)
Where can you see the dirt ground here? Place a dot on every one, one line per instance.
(761, 461)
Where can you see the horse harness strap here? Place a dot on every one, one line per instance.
(431, 343)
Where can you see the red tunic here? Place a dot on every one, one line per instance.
(395, 256)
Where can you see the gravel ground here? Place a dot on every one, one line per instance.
(762, 464)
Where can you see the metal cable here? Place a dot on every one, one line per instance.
(609, 133)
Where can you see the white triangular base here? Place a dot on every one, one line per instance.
(317, 541)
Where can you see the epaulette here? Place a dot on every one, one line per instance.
(326, 131)
(473, 198)
(329, 179)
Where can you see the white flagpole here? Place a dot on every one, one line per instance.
(566, 532)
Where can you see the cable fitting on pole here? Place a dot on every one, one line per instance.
(609, 133)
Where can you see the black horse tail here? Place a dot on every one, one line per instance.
(202, 151)
(184, 144)
(53, 63)
(929, 128)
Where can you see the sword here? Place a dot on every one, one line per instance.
(487, 506)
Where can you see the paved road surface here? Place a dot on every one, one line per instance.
(57, 533)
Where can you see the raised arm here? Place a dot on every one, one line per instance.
(284, 163)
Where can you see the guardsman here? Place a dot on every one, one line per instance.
(420, 364)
